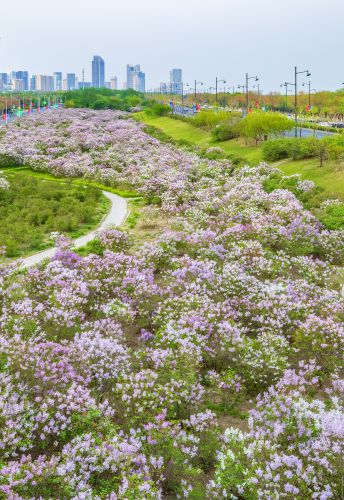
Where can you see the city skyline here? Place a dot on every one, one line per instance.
(226, 40)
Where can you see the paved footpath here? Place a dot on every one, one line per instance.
(116, 216)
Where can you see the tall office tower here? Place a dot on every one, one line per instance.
(18, 85)
(58, 80)
(44, 83)
(98, 72)
(113, 83)
(131, 72)
(71, 81)
(4, 78)
(23, 75)
(33, 83)
(176, 78)
(3, 81)
(139, 81)
(84, 85)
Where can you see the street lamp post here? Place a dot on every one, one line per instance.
(182, 84)
(197, 83)
(295, 85)
(255, 78)
(296, 73)
(217, 81)
(285, 84)
(309, 92)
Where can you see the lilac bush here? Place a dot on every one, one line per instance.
(204, 364)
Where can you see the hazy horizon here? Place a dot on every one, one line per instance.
(224, 39)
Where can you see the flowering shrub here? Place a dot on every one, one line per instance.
(293, 447)
(119, 368)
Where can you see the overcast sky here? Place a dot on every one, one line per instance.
(206, 38)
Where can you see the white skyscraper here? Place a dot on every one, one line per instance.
(176, 78)
(113, 83)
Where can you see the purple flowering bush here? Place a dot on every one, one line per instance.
(204, 364)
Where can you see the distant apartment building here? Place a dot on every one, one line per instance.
(136, 79)
(98, 72)
(33, 82)
(18, 85)
(176, 78)
(71, 81)
(15, 76)
(163, 88)
(3, 81)
(131, 72)
(24, 76)
(58, 80)
(44, 83)
(113, 83)
(84, 85)
(140, 81)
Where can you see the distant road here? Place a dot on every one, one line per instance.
(309, 132)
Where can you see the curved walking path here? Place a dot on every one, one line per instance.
(116, 216)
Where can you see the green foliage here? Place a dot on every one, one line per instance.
(260, 126)
(158, 109)
(225, 132)
(328, 148)
(103, 99)
(31, 209)
(332, 216)
(209, 119)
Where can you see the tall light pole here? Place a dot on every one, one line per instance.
(296, 73)
(217, 81)
(197, 83)
(309, 91)
(285, 84)
(255, 78)
(182, 84)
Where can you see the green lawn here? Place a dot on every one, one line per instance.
(32, 208)
(180, 130)
(330, 177)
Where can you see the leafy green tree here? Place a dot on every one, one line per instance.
(260, 126)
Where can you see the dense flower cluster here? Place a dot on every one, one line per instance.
(118, 370)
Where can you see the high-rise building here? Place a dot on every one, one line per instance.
(131, 72)
(71, 81)
(18, 85)
(3, 81)
(113, 83)
(4, 78)
(23, 75)
(58, 80)
(136, 79)
(139, 81)
(84, 85)
(98, 72)
(33, 82)
(176, 78)
(44, 83)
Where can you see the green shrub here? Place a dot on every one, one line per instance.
(275, 150)
(225, 132)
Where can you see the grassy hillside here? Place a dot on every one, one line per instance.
(328, 177)
(179, 130)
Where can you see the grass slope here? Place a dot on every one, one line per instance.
(179, 130)
(32, 208)
(328, 177)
